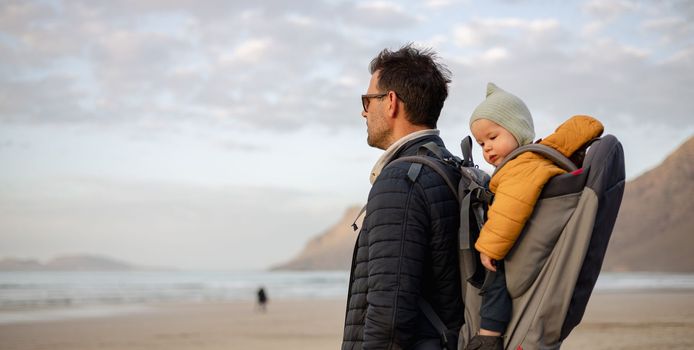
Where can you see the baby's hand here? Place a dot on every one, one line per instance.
(487, 262)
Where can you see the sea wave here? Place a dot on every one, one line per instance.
(36, 289)
(70, 289)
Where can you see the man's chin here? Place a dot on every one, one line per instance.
(374, 145)
(371, 142)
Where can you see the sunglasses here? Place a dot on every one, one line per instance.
(366, 99)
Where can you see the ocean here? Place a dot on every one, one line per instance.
(32, 296)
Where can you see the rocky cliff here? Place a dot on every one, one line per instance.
(330, 250)
(655, 226)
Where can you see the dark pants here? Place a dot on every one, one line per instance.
(496, 303)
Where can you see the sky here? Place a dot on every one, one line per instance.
(225, 134)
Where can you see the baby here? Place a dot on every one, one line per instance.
(500, 124)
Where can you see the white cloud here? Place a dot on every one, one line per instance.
(133, 61)
(673, 30)
(495, 31)
(249, 51)
(300, 20)
(381, 6)
(439, 3)
(592, 28)
(379, 14)
(465, 35)
(347, 81)
(664, 23)
(609, 9)
(538, 25)
(494, 54)
(683, 58)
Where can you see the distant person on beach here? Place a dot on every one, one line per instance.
(262, 299)
(406, 256)
(500, 124)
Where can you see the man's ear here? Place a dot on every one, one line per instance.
(393, 105)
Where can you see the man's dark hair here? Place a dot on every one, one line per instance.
(417, 78)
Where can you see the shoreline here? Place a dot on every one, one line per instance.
(105, 310)
(613, 320)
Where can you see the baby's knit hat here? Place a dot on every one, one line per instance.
(508, 111)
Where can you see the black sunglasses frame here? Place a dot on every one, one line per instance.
(366, 99)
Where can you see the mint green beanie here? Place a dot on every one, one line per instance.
(508, 111)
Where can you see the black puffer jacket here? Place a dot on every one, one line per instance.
(407, 249)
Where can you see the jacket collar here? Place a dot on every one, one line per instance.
(400, 146)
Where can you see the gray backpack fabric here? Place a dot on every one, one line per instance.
(553, 267)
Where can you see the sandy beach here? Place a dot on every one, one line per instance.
(631, 320)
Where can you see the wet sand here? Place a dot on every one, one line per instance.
(630, 320)
(635, 321)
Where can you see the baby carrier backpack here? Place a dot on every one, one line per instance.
(553, 267)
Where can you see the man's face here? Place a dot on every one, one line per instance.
(377, 128)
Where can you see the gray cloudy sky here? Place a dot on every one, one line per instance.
(222, 134)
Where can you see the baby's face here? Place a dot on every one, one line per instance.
(496, 141)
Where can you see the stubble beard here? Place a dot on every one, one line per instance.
(378, 138)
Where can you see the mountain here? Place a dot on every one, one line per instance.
(654, 230)
(16, 264)
(655, 227)
(331, 250)
(67, 263)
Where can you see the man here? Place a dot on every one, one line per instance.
(407, 249)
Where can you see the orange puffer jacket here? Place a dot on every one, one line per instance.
(518, 184)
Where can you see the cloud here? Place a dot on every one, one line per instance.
(495, 54)
(240, 146)
(378, 15)
(567, 73)
(673, 30)
(280, 67)
(491, 32)
(22, 101)
(250, 51)
(609, 10)
(439, 3)
(140, 61)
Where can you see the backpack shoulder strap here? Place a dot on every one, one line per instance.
(435, 164)
(417, 161)
(430, 147)
(431, 315)
(548, 152)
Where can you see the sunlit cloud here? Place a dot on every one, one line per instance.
(249, 51)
